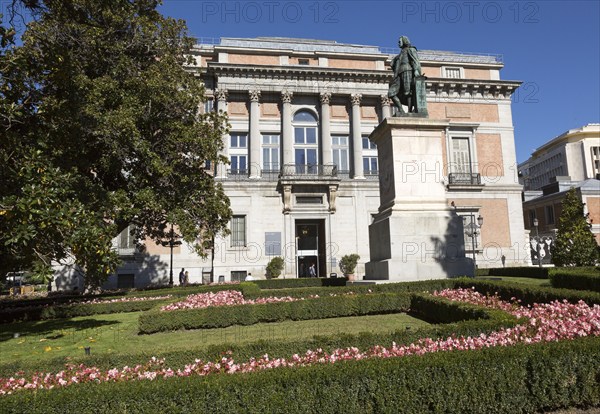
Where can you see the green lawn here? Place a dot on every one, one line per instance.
(524, 280)
(117, 333)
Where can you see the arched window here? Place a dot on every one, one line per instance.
(306, 143)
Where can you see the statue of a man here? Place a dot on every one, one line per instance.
(406, 67)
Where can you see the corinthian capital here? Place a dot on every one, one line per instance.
(325, 98)
(286, 97)
(355, 98)
(254, 95)
(221, 94)
(385, 100)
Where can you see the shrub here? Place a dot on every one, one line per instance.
(528, 294)
(580, 280)
(318, 308)
(525, 378)
(300, 282)
(274, 267)
(348, 263)
(532, 272)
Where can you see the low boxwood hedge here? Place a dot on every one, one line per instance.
(317, 308)
(71, 306)
(301, 282)
(517, 379)
(529, 271)
(38, 313)
(528, 294)
(581, 280)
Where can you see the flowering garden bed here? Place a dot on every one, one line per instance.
(556, 321)
(534, 373)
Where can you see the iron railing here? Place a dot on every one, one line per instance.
(310, 171)
(464, 179)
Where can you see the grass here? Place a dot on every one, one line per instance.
(39, 342)
(522, 280)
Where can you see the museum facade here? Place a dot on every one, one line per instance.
(303, 177)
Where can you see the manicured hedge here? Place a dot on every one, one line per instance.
(530, 271)
(300, 282)
(517, 379)
(492, 321)
(319, 308)
(38, 313)
(69, 306)
(528, 294)
(582, 280)
(401, 287)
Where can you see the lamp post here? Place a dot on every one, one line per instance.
(537, 238)
(171, 243)
(472, 232)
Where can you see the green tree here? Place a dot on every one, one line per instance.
(100, 129)
(575, 244)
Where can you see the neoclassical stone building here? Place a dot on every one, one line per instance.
(303, 178)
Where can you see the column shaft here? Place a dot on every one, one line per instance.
(357, 137)
(326, 156)
(221, 96)
(287, 140)
(255, 138)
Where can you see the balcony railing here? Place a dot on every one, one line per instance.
(309, 171)
(464, 179)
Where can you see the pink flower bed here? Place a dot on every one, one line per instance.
(223, 298)
(546, 322)
(125, 299)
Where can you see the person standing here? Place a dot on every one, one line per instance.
(312, 271)
(186, 278)
(182, 276)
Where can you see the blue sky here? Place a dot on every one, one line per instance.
(553, 47)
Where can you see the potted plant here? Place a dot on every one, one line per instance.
(348, 264)
(274, 267)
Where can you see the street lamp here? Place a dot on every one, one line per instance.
(472, 232)
(171, 243)
(537, 238)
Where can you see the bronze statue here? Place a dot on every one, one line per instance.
(408, 87)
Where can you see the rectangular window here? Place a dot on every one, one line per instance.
(238, 164)
(209, 105)
(309, 200)
(238, 140)
(532, 217)
(238, 231)
(453, 73)
(549, 214)
(303, 61)
(126, 239)
(370, 166)
(270, 152)
(461, 157)
(339, 148)
(238, 275)
(238, 153)
(368, 144)
(595, 152)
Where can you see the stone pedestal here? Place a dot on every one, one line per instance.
(415, 235)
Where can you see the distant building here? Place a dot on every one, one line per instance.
(304, 179)
(571, 160)
(574, 154)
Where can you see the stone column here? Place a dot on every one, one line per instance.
(221, 96)
(287, 139)
(326, 157)
(254, 139)
(357, 137)
(386, 109)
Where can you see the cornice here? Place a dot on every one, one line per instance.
(439, 87)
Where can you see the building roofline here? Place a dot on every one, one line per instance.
(332, 46)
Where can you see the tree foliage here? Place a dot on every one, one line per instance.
(575, 244)
(100, 129)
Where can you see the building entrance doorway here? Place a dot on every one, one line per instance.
(310, 248)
